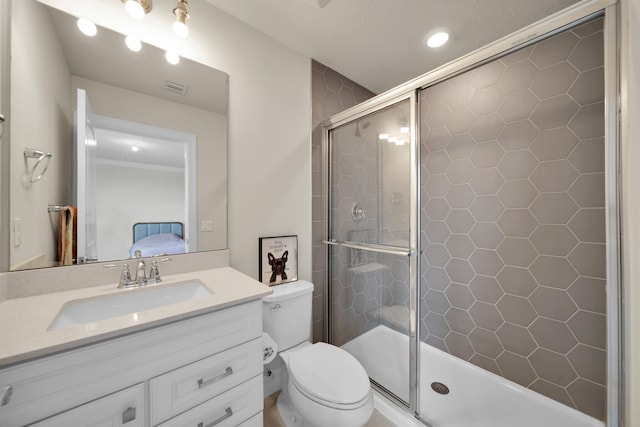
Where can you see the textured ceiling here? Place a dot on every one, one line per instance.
(380, 43)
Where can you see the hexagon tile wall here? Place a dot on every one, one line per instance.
(513, 270)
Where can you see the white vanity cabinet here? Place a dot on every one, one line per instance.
(201, 371)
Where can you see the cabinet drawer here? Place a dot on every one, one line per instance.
(255, 421)
(228, 409)
(123, 408)
(186, 387)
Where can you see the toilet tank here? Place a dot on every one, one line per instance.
(286, 314)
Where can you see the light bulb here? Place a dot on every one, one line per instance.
(438, 39)
(133, 43)
(134, 148)
(383, 136)
(134, 9)
(404, 129)
(87, 27)
(180, 29)
(172, 57)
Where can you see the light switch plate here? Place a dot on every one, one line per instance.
(206, 225)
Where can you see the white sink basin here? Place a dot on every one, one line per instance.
(132, 301)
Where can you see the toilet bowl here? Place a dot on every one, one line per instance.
(323, 385)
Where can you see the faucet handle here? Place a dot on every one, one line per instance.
(154, 273)
(125, 276)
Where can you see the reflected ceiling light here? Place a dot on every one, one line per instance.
(133, 43)
(383, 136)
(182, 16)
(135, 148)
(437, 39)
(172, 57)
(137, 8)
(404, 129)
(87, 27)
(393, 139)
(400, 142)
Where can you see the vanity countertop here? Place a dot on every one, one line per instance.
(24, 322)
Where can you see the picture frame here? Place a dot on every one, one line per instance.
(277, 259)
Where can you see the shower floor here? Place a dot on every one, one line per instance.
(477, 398)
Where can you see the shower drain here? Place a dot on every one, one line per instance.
(439, 388)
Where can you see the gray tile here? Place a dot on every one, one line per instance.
(590, 294)
(486, 100)
(460, 196)
(436, 115)
(516, 368)
(589, 87)
(437, 232)
(517, 76)
(553, 303)
(487, 74)
(590, 398)
(459, 171)
(588, 156)
(459, 296)
(553, 391)
(555, 272)
(486, 235)
(589, 121)
(517, 56)
(437, 209)
(589, 363)
(459, 221)
(516, 339)
(486, 127)
(460, 146)
(436, 301)
(518, 106)
(554, 144)
(485, 342)
(517, 222)
(588, 190)
(459, 270)
(554, 80)
(486, 155)
(486, 262)
(517, 164)
(588, 28)
(517, 252)
(485, 363)
(517, 193)
(486, 315)
(589, 259)
(552, 367)
(437, 278)
(436, 342)
(553, 208)
(437, 255)
(516, 310)
(460, 121)
(486, 289)
(459, 320)
(549, 239)
(486, 181)
(437, 185)
(553, 50)
(554, 112)
(437, 325)
(437, 161)
(437, 138)
(517, 281)
(517, 135)
(461, 91)
(553, 176)
(460, 246)
(589, 53)
(589, 328)
(486, 208)
(459, 345)
(552, 335)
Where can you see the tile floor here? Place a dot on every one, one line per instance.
(272, 417)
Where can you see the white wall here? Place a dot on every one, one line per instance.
(41, 118)
(118, 208)
(630, 15)
(269, 119)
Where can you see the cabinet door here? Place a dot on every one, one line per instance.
(123, 408)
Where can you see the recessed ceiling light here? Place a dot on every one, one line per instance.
(133, 43)
(437, 39)
(172, 57)
(404, 129)
(87, 27)
(383, 136)
(135, 148)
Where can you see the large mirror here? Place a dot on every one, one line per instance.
(123, 137)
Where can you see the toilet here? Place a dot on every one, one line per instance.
(322, 385)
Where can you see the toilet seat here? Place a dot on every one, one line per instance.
(329, 376)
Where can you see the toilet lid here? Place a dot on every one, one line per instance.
(329, 374)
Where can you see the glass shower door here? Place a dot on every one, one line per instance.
(370, 245)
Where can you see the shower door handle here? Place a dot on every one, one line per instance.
(372, 247)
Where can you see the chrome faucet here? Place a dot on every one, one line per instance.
(140, 278)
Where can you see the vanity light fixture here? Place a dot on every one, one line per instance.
(87, 27)
(182, 16)
(172, 57)
(137, 8)
(383, 136)
(133, 43)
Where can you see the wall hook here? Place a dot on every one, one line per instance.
(41, 164)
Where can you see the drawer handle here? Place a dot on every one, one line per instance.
(228, 413)
(226, 373)
(5, 395)
(128, 415)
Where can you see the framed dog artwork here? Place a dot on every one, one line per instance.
(278, 259)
